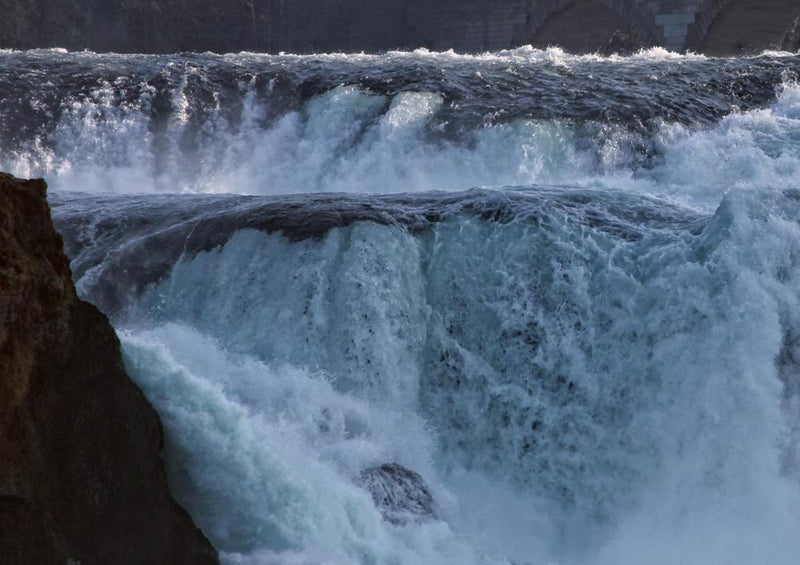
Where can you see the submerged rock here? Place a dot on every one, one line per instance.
(621, 43)
(81, 478)
(399, 493)
(791, 42)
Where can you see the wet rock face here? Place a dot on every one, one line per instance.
(81, 479)
(399, 493)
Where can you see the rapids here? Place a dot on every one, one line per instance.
(563, 290)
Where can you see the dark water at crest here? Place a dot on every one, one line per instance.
(477, 91)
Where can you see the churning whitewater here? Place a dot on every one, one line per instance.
(424, 308)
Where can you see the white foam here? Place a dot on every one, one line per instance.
(571, 396)
(350, 140)
(263, 458)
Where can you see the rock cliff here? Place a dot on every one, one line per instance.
(81, 479)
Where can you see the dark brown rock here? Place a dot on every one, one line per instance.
(81, 476)
(20, 521)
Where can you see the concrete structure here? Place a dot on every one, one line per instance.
(748, 25)
(735, 26)
(302, 26)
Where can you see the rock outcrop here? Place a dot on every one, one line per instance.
(81, 479)
(400, 494)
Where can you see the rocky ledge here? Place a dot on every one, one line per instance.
(81, 478)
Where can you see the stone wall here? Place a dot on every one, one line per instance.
(677, 25)
(303, 26)
(748, 26)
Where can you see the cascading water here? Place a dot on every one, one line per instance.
(591, 359)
